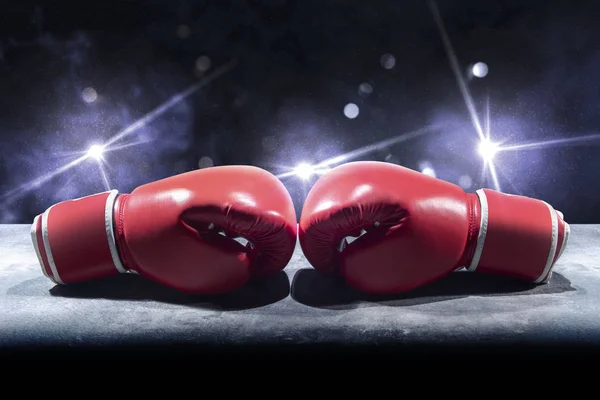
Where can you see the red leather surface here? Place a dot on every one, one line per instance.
(163, 228)
(422, 232)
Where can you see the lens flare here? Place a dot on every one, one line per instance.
(96, 151)
(304, 171)
(488, 149)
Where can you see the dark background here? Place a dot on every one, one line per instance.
(77, 73)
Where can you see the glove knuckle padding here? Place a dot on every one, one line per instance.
(416, 226)
(176, 236)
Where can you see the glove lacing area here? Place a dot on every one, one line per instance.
(332, 233)
(240, 239)
(269, 242)
(351, 238)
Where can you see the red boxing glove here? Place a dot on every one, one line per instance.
(179, 231)
(417, 229)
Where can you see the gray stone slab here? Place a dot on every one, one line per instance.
(299, 306)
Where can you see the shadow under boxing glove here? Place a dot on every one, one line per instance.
(413, 229)
(180, 231)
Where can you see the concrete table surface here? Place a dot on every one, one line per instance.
(300, 306)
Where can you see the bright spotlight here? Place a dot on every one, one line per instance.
(304, 171)
(95, 151)
(429, 171)
(488, 149)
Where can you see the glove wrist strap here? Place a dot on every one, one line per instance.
(75, 240)
(518, 236)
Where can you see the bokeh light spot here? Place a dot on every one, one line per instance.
(89, 95)
(365, 89)
(183, 31)
(205, 162)
(480, 70)
(203, 63)
(465, 181)
(387, 61)
(351, 110)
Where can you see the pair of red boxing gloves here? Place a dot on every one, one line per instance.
(409, 229)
